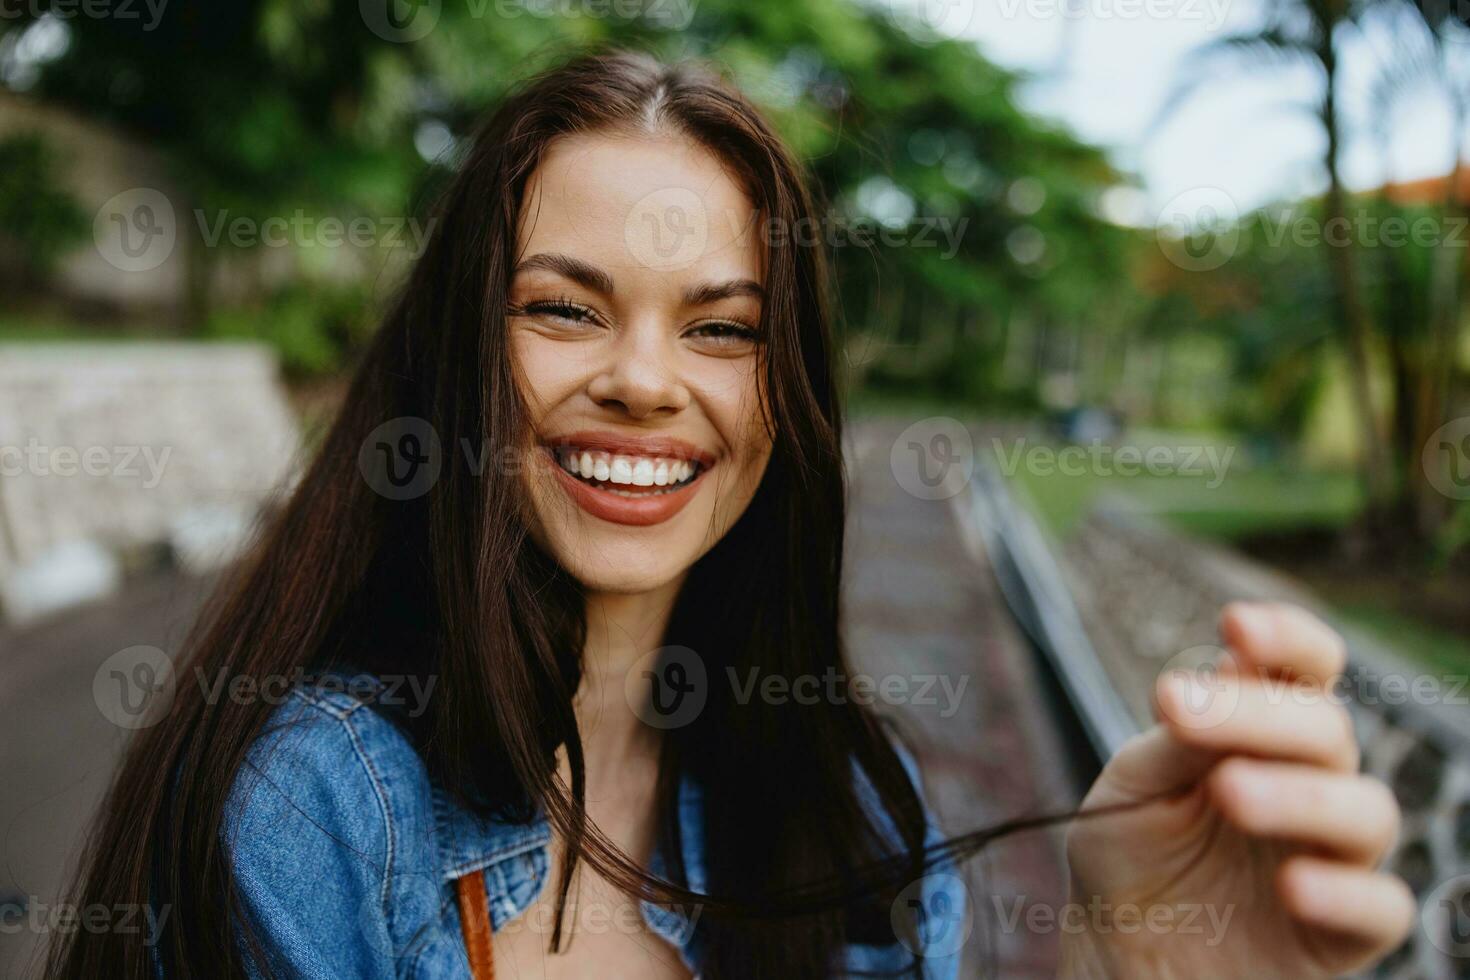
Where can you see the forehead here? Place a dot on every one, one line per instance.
(642, 208)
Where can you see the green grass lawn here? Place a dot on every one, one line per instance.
(1244, 501)
(1425, 643)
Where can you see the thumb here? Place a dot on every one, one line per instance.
(1154, 763)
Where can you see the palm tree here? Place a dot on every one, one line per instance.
(1306, 32)
(1421, 55)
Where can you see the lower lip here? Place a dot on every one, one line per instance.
(655, 508)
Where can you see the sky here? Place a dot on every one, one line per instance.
(1105, 68)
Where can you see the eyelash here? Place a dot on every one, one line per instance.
(564, 308)
(570, 310)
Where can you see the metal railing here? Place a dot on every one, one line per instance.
(1109, 609)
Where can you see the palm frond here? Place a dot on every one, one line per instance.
(1272, 47)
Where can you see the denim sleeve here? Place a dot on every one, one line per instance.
(945, 916)
(309, 832)
(938, 900)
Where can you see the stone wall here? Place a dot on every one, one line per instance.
(113, 453)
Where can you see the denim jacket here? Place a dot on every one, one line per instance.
(345, 855)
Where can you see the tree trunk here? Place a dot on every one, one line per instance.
(1445, 303)
(1352, 314)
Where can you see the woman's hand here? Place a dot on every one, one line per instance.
(1264, 865)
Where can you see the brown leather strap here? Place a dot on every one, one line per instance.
(474, 923)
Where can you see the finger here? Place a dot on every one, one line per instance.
(1283, 639)
(1151, 763)
(1270, 720)
(1354, 817)
(1367, 913)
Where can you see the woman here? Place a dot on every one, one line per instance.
(591, 461)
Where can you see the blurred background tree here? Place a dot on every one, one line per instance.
(979, 255)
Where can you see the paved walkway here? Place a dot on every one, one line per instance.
(920, 603)
(919, 606)
(57, 750)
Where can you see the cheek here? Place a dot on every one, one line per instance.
(548, 371)
(732, 400)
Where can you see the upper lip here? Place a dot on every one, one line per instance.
(626, 444)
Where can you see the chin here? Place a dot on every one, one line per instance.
(620, 570)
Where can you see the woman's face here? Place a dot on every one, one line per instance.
(634, 310)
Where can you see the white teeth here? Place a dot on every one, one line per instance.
(637, 471)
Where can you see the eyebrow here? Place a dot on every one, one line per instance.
(710, 292)
(582, 273)
(593, 278)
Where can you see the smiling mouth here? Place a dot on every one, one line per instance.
(623, 475)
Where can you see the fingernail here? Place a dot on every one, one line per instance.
(1254, 623)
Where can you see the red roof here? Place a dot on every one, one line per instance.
(1429, 190)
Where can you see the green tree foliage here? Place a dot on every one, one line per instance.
(38, 219)
(954, 217)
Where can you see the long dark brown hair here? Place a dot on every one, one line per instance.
(450, 585)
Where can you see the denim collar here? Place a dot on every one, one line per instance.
(470, 842)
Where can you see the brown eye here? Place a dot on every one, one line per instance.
(725, 333)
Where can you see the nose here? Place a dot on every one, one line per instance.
(640, 377)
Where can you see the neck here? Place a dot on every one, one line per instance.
(621, 630)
